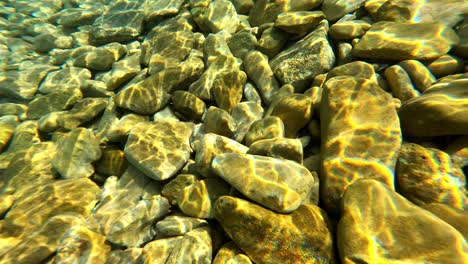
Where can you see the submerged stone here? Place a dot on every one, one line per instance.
(159, 149)
(280, 185)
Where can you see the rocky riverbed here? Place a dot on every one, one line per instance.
(241, 131)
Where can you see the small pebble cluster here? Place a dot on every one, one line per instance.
(241, 131)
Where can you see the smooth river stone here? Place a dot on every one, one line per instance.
(380, 226)
(221, 15)
(455, 217)
(304, 236)
(197, 199)
(195, 247)
(228, 88)
(301, 22)
(295, 111)
(259, 71)
(231, 254)
(29, 213)
(438, 111)
(335, 9)
(38, 246)
(427, 175)
(307, 58)
(159, 149)
(190, 106)
(268, 127)
(81, 245)
(280, 185)
(282, 148)
(178, 225)
(348, 30)
(210, 146)
(75, 154)
(361, 136)
(245, 114)
(404, 41)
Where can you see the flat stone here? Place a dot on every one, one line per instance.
(257, 68)
(128, 208)
(265, 11)
(158, 9)
(159, 250)
(53, 102)
(280, 185)
(400, 83)
(304, 236)
(83, 111)
(355, 144)
(46, 42)
(438, 111)
(358, 69)
(145, 97)
(228, 88)
(6, 133)
(119, 130)
(13, 109)
(409, 233)
(75, 17)
(445, 65)
(188, 105)
(30, 212)
(197, 199)
(272, 41)
(335, 9)
(268, 127)
(446, 12)
(122, 22)
(129, 255)
(29, 168)
(307, 58)
(405, 41)
(69, 78)
(173, 189)
(121, 72)
(428, 175)
(195, 247)
(230, 253)
(242, 43)
(295, 111)
(299, 22)
(455, 217)
(348, 30)
(221, 15)
(111, 162)
(41, 244)
(281, 148)
(218, 121)
(212, 145)
(178, 225)
(202, 87)
(245, 114)
(159, 149)
(23, 84)
(81, 244)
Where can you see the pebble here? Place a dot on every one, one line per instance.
(201, 131)
(278, 184)
(420, 227)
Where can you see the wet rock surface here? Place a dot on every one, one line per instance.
(233, 131)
